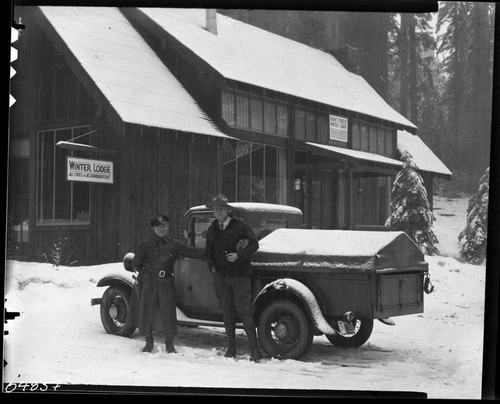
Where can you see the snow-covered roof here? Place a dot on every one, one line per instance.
(130, 75)
(358, 154)
(423, 157)
(254, 207)
(252, 55)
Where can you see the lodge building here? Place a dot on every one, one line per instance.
(175, 105)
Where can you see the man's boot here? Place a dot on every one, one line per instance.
(231, 341)
(255, 354)
(169, 345)
(149, 343)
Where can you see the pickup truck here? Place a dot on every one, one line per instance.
(305, 282)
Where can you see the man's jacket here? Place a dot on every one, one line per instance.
(237, 238)
(158, 254)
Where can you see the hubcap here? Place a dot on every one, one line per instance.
(280, 330)
(113, 311)
(285, 330)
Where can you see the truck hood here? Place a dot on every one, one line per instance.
(338, 251)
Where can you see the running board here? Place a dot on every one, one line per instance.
(184, 319)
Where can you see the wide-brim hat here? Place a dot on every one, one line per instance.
(218, 200)
(159, 220)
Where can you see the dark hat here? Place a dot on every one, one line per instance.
(159, 219)
(218, 200)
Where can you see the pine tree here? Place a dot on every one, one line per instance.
(475, 233)
(411, 211)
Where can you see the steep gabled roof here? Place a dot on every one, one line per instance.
(252, 55)
(138, 86)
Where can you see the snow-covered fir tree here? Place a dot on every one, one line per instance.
(475, 233)
(411, 211)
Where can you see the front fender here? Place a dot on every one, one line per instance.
(306, 297)
(125, 279)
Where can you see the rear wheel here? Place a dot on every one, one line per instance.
(285, 331)
(362, 330)
(114, 310)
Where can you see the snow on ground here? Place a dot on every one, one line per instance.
(58, 338)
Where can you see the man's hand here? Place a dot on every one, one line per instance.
(232, 257)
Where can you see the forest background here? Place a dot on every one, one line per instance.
(436, 69)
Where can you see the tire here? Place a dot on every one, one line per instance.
(285, 331)
(114, 310)
(363, 330)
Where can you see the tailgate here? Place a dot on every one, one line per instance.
(399, 294)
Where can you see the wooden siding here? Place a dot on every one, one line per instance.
(166, 172)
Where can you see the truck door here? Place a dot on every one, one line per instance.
(194, 289)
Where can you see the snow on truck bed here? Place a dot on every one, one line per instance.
(339, 250)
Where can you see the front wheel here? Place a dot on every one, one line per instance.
(362, 331)
(114, 310)
(285, 331)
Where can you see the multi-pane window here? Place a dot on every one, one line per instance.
(311, 125)
(255, 113)
(371, 138)
(254, 172)
(60, 201)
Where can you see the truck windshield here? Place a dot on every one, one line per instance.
(200, 224)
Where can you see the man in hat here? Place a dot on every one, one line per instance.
(154, 260)
(230, 245)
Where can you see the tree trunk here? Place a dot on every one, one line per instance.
(413, 69)
(403, 60)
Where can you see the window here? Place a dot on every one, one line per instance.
(282, 119)
(255, 113)
(356, 140)
(388, 142)
(364, 138)
(257, 121)
(60, 201)
(381, 140)
(198, 230)
(270, 117)
(310, 126)
(228, 110)
(253, 172)
(373, 139)
(242, 116)
(300, 124)
(323, 127)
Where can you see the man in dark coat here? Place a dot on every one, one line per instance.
(154, 260)
(230, 245)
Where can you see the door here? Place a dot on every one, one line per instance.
(195, 294)
(322, 201)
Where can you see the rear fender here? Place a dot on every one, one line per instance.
(303, 293)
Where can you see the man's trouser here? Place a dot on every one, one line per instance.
(235, 294)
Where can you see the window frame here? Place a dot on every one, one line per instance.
(53, 221)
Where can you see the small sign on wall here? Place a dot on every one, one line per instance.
(87, 170)
(338, 128)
